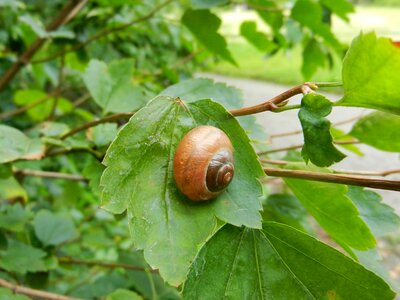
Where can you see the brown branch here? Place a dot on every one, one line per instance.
(108, 119)
(384, 184)
(273, 103)
(103, 33)
(69, 260)
(37, 294)
(47, 174)
(339, 142)
(68, 12)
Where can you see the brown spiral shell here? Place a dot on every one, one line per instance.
(203, 163)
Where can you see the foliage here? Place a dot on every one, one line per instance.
(93, 107)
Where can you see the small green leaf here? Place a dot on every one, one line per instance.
(103, 134)
(380, 217)
(16, 145)
(11, 189)
(122, 294)
(195, 20)
(370, 78)
(313, 57)
(14, 217)
(379, 130)
(111, 86)
(334, 211)
(269, 12)
(53, 129)
(339, 135)
(139, 178)
(53, 229)
(318, 146)
(277, 262)
(22, 258)
(260, 40)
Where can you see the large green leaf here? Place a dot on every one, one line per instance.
(318, 146)
(111, 86)
(139, 178)
(380, 217)
(277, 262)
(53, 229)
(371, 74)
(379, 130)
(195, 21)
(230, 97)
(22, 258)
(334, 211)
(16, 145)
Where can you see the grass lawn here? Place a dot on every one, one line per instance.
(285, 67)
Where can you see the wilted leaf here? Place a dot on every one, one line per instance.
(277, 262)
(318, 146)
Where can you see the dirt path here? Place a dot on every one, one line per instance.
(255, 92)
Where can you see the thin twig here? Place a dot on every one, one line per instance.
(48, 174)
(67, 13)
(339, 142)
(103, 33)
(37, 294)
(273, 103)
(69, 260)
(108, 119)
(384, 184)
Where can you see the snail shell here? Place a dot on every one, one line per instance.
(203, 163)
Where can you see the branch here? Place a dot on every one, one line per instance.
(384, 184)
(67, 13)
(339, 142)
(273, 103)
(111, 118)
(69, 260)
(103, 33)
(47, 174)
(37, 294)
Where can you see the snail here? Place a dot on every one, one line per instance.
(203, 163)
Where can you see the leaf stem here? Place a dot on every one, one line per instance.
(48, 174)
(37, 294)
(384, 184)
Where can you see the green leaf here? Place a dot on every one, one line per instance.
(340, 7)
(22, 258)
(10, 189)
(318, 146)
(7, 294)
(334, 211)
(277, 262)
(309, 13)
(139, 178)
(313, 57)
(111, 86)
(122, 294)
(273, 18)
(14, 217)
(202, 4)
(339, 135)
(287, 209)
(53, 229)
(195, 20)
(16, 145)
(103, 134)
(379, 130)
(380, 217)
(53, 129)
(230, 97)
(260, 40)
(370, 78)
